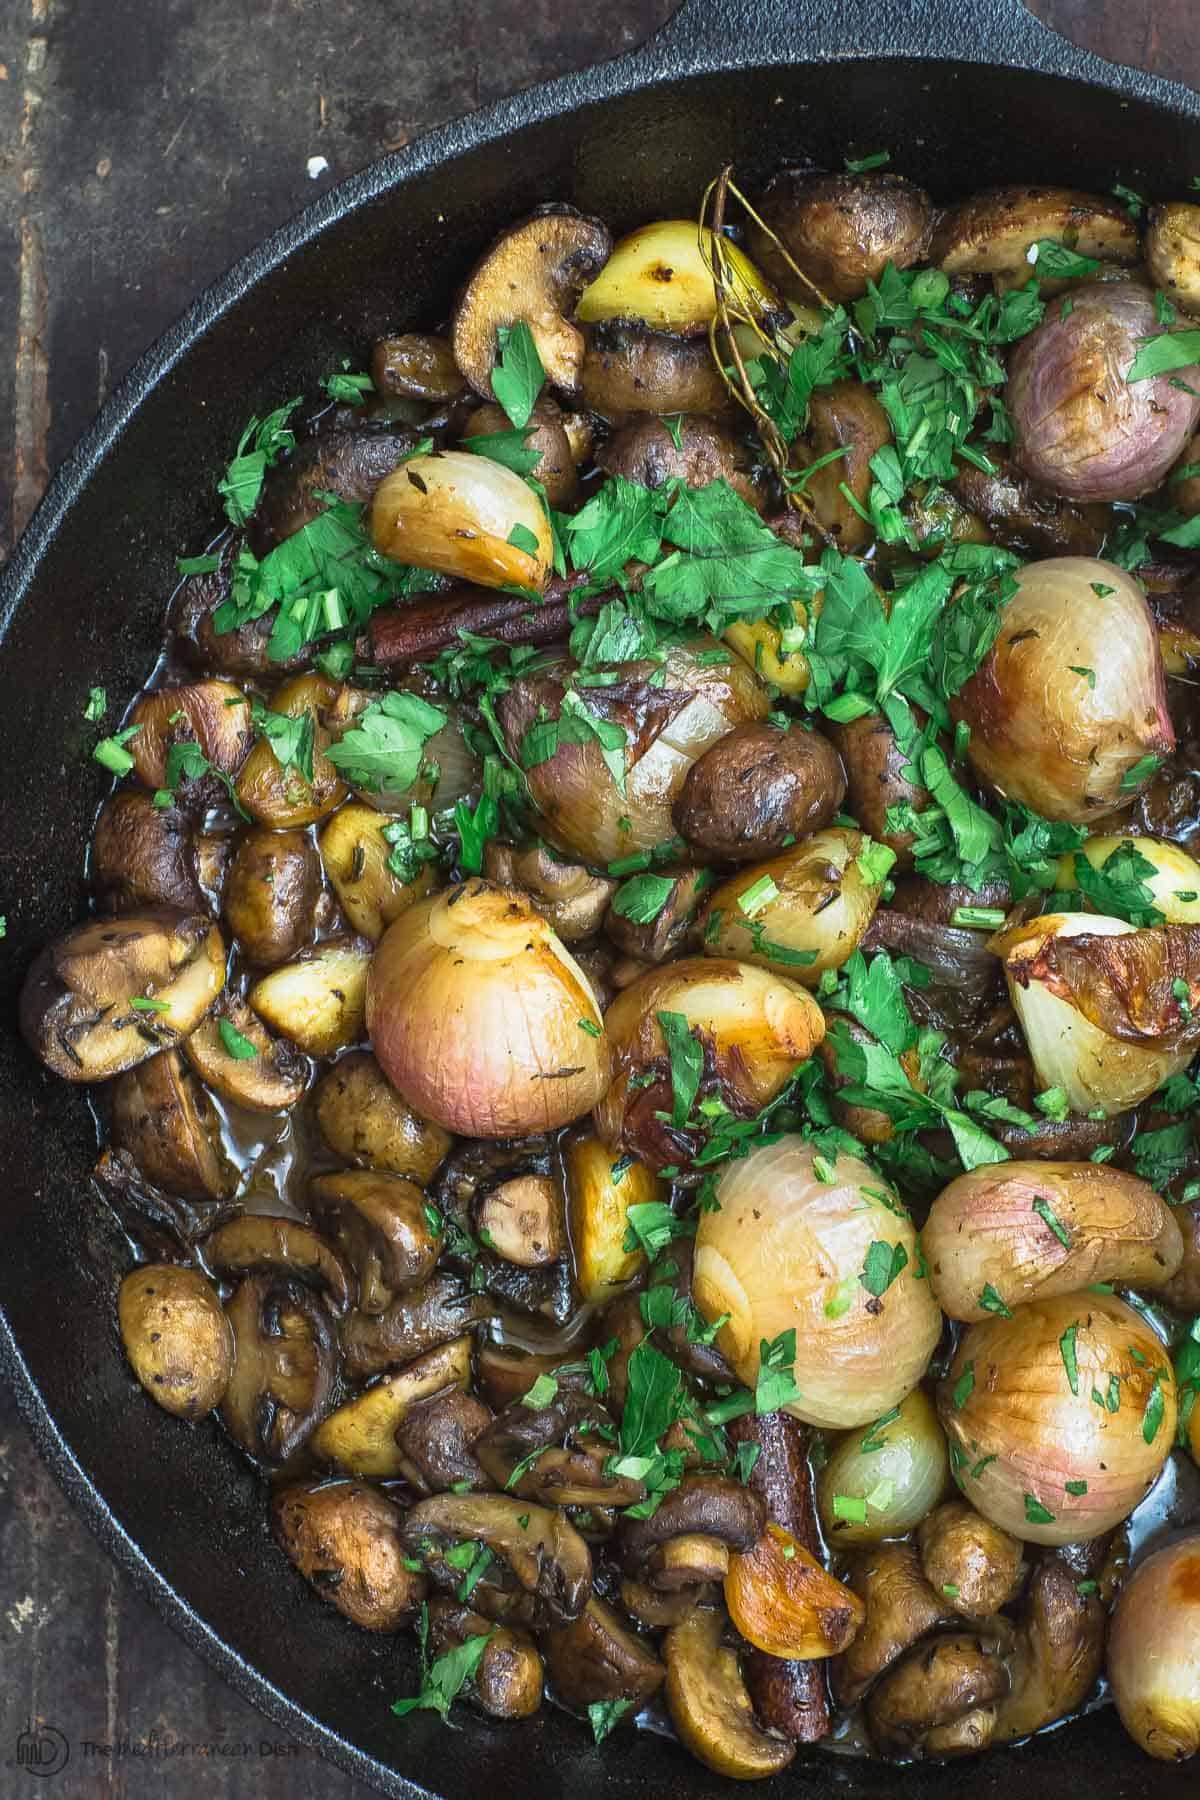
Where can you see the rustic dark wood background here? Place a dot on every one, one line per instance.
(144, 144)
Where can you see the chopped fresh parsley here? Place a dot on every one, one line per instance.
(260, 446)
(236, 1045)
(518, 376)
(444, 1679)
(605, 1714)
(384, 748)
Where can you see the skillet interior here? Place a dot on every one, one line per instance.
(82, 604)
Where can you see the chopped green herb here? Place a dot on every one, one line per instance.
(518, 376)
(1042, 1207)
(1036, 1513)
(642, 898)
(443, 1680)
(1066, 1345)
(237, 1046)
(605, 1714)
(964, 1387)
(991, 1302)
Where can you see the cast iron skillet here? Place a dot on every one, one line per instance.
(964, 92)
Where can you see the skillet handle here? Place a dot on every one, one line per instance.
(778, 31)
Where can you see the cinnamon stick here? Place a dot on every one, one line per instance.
(792, 1697)
(419, 629)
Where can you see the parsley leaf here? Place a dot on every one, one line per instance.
(605, 1714)
(237, 1046)
(1165, 351)
(687, 1063)
(642, 898)
(260, 446)
(291, 739)
(384, 749)
(444, 1679)
(776, 1384)
(518, 376)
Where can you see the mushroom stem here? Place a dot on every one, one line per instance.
(792, 1697)
(420, 629)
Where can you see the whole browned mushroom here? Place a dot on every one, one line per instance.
(1183, 1290)
(113, 992)
(143, 855)
(538, 1572)
(846, 417)
(941, 1698)
(363, 1119)
(694, 449)
(533, 273)
(508, 1678)
(629, 371)
(176, 1337)
(418, 366)
(270, 897)
(162, 1116)
(598, 1658)
(545, 435)
(349, 463)
(758, 788)
(840, 230)
(285, 1370)
(344, 1537)
(878, 777)
(213, 715)
(974, 1565)
(383, 1226)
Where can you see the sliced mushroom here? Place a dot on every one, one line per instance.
(381, 1223)
(162, 1116)
(271, 1080)
(417, 365)
(539, 1572)
(113, 992)
(1059, 1649)
(505, 1372)
(508, 1677)
(974, 1565)
(991, 233)
(349, 463)
(176, 1337)
(344, 1537)
(1025, 517)
(757, 789)
(844, 416)
(693, 449)
(709, 1706)
(285, 1369)
(568, 894)
(143, 855)
(901, 1607)
(840, 230)
(711, 1505)
(363, 1119)
(264, 1244)
(165, 1226)
(360, 1437)
(556, 1453)
(355, 856)
(534, 272)
(439, 1436)
(600, 1190)
(214, 715)
(270, 894)
(545, 435)
(673, 927)
(658, 1609)
(434, 1314)
(628, 371)
(318, 1001)
(598, 1658)
(940, 1699)
(522, 1220)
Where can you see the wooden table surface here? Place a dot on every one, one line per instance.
(144, 144)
